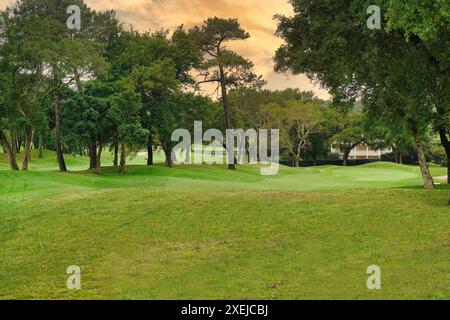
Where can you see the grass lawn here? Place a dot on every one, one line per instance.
(208, 233)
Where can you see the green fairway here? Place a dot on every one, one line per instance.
(208, 233)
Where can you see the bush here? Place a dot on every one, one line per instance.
(333, 156)
(388, 157)
(438, 156)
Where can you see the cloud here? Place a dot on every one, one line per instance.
(255, 16)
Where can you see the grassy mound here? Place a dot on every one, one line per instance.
(209, 233)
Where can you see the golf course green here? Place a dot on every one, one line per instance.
(204, 232)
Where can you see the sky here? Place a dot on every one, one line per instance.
(255, 16)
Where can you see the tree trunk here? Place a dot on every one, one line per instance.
(59, 151)
(116, 154)
(295, 160)
(8, 150)
(150, 150)
(93, 155)
(427, 178)
(41, 146)
(396, 158)
(19, 143)
(448, 170)
(226, 107)
(168, 154)
(148, 123)
(345, 157)
(98, 167)
(123, 159)
(446, 143)
(14, 144)
(29, 132)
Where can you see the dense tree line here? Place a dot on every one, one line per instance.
(108, 87)
(310, 126)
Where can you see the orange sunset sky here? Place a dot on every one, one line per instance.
(256, 17)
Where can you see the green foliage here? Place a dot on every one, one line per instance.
(104, 115)
(155, 67)
(43, 57)
(427, 20)
(124, 116)
(296, 121)
(85, 116)
(7, 112)
(438, 156)
(392, 77)
(387, 133)
(180, 111)
(219, 64)
(155, 79)
(246, 103)
(351, 132)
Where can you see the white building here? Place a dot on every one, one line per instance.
(364, 151)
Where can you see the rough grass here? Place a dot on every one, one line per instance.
(208, 233)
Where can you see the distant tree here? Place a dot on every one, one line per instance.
(350, 135)
(221, 65)
(124, 115)
(296, 121)
(170, 112)
(177, 111)
(319, 144)
(246, 102)
(317, 147)
(385, 134)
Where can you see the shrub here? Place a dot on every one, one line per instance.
(438, 156)
(333, 156)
